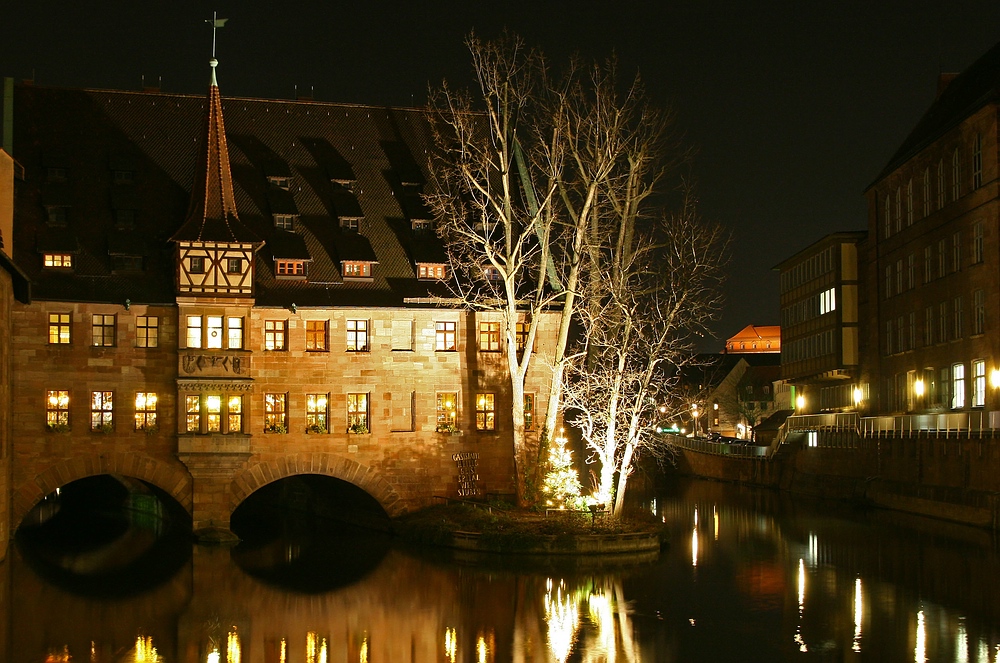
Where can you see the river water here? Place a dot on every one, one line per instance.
(749, 575)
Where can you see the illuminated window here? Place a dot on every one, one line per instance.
(447, 410)
(491, 273)
(234, 414)
(529, 412)
(357, 336)
(234, 265)
(316, 335)
(284, 221)
(102, 411)
(234, 328)
(357, 413)
(275, 413)
(57, 409)
(145, 410)
(521, 335)
(957, 386)
(103, 330)
(214, 331)
(213, 413)
(489, 337)
(356, 270)
(316, 412)
(486, 412)
(828, 301)
(147, 331)
(192, 408)
(290, 268)
(444, 336)
(978, 383)
(194, 331)
(274, 334)
(58, 260)
(59, 328)
(428, 271)
(352, 224)
(196, 265)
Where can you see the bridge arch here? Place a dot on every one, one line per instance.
(327, 464)
(171, 479)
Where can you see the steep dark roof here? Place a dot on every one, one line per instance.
(975, 87)
(344, 161)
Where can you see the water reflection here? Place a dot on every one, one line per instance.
(774, 580)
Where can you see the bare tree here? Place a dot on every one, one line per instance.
(494, 174)
(661, 287)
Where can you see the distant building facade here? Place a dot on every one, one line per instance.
(755, 338)
(820, 291)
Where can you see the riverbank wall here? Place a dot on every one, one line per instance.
(955, 479)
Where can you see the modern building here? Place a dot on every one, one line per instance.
(820, 294)
(219, 303)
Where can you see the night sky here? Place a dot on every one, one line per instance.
(792, 106)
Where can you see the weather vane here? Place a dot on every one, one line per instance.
(216, 23)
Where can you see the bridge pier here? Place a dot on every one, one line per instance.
(213, 461)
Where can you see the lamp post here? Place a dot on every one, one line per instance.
(694, 414)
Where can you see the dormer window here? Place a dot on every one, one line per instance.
(58, 260)
(56, 215)
(420, 226)
(196, 265)
(431, 271)
(123, 176)
(234, 265)
(356, 269)
(126, 263)
(347, 184)
(280, 182)
(350, 224)
(284, 221)
(491, 273)
(290, 269)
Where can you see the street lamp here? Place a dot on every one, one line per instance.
(800, 402)
(695, 413)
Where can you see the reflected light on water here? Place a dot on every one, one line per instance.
(363, 654)
(484, 648)
(858, 614)
(563, 619)
(715, 517)
(213, 656)
(799, 640)
(315, 648)
(961, 643)
(920, 649)
(450, 644)
(58, 656)
(145, 652)
(603, 616)
(694, 547)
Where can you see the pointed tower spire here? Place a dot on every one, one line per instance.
(212, 213)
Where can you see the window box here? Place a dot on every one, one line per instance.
(449, 429)
(316, 429)
(279, 429)
(57, 428)
(358, 429)
(105, 428)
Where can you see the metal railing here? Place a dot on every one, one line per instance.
(737, 450)
(951, 424)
